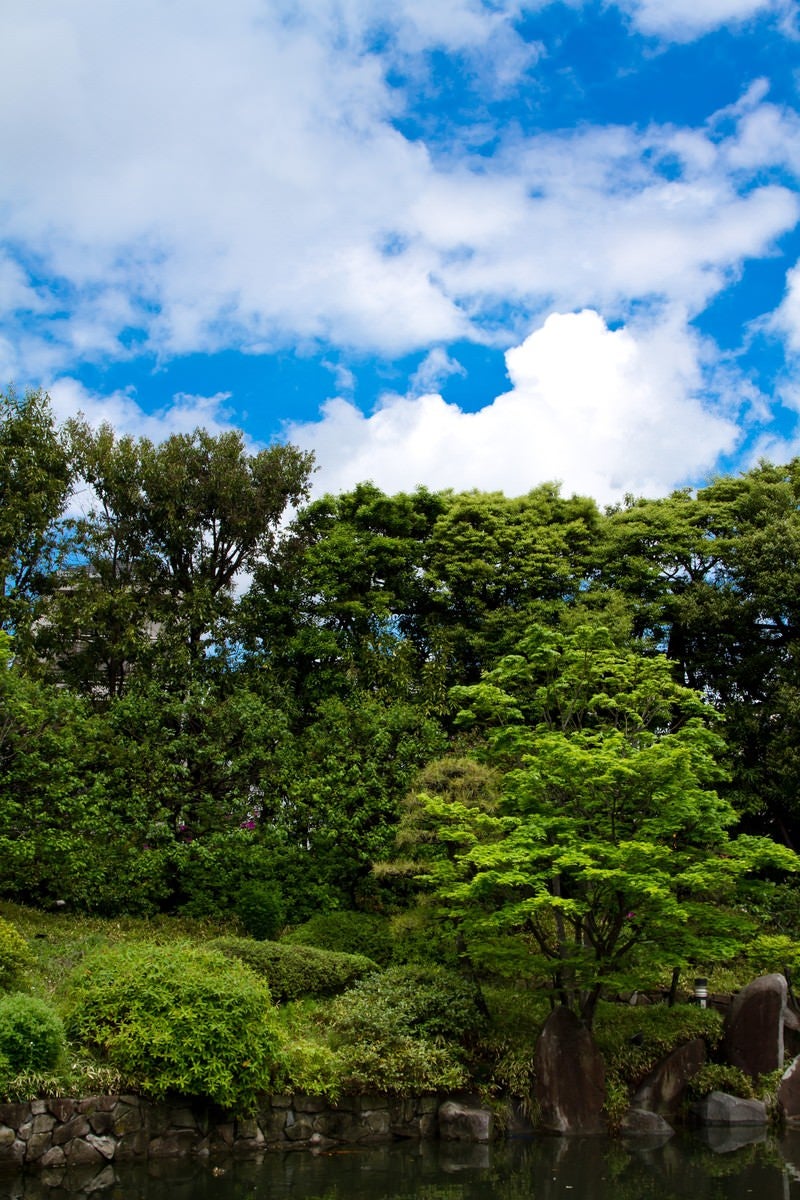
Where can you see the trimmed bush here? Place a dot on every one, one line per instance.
(404, 1066)
(633, 1040)
(348, 933)
(14, 954)
(414, 1001)
(177, 1018)
(403, 1030)
(31, 1035)
(296, 971)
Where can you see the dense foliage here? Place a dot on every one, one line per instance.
(31, 1035)
(296, 971)
(542, 744)
(177, 1018)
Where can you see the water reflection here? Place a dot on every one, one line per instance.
(542, 1169)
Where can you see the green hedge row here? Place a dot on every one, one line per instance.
(295, 971)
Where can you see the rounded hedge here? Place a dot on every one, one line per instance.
(14, 954)
(417, 1001)
(31, 1034)
(177, 1018)
(346, 932)
(296, 971)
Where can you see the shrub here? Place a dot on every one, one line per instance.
(295, 971)
(261, 910)
(719, 1077)
(633, 1040)
(213, 871)
(177, 1018)
(14, 954)
(31, 1035)
(404, 1066)
(412, 1001)
(402, 1031)
(348, 933)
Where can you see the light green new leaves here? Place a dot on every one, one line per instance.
(611, 852)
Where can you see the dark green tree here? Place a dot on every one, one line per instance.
(35, 482)
(170, 530)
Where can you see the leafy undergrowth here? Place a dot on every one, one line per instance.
(634, 1039)
(407, 1028)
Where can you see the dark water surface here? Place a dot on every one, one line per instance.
(542, 1169)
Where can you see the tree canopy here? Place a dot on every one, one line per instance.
(572, 732)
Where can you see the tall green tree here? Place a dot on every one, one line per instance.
(713, 578)
(610, 854)
(170, 529)
(35, 481)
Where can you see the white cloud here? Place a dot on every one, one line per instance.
(786, 319)
(435, 368)
(603, 411)
(682, 20)
(122, 411)
(232, 176)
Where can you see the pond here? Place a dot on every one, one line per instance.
(539, 1169)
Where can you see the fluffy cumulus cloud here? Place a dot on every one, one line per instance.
(582, 396)
(212, 176)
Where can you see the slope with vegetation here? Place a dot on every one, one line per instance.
(481, 754)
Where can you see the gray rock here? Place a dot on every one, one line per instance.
(457, 1123)
(79, 1153)
(13, 1153)
(62, 1109)
(299, 1128)
(318, 1142)
(309, 1104)
(641, 1122)
(107, 1146)
(76, 1127)
(377, 1123)
(132, 1145)
(14, 1114)
(718, 1108)
(173, 1143)
(99, 1182)
(665, 1087)
(789, 1093)
(54, 1157)
(127, 1119)
(752, 1037)
(38, 1143)
(570, 1076)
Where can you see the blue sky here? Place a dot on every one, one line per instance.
(460, 243)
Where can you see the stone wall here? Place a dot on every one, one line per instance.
(61, 1133)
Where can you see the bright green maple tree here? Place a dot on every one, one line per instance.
(610, 853)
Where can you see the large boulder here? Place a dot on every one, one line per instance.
(664, 1089)
(641, 1122)
(789, 1093)
(570, 1076)
(718, 1108)
(752, 1038)
(458, 1122)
